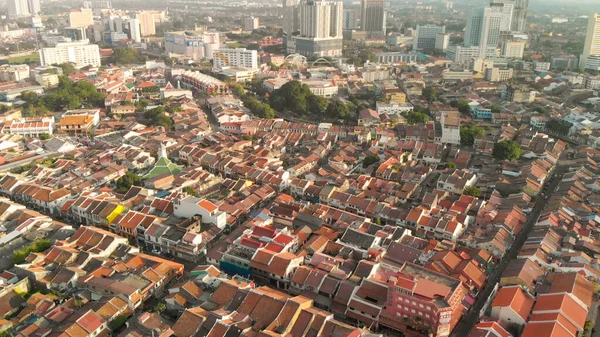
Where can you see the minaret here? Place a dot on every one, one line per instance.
(162, 152)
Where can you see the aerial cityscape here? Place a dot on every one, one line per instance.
(345, 168)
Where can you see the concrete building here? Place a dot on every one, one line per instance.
(76, 33)
(483, 30)
(23, 8)
(350, 19)
(480, 65)
(513, 49)
(497, 74)
(442, 41)
(396, 57)
(462, 54)
(321, 19)
(30, 127)
(135, 30)
(519, 13)
(323, 88)
(291, 17)
(193, 45)
(81, 53)
(564, 63)
(189, 207)
(450, 122)
(148, 20)
(81, 18)
(97, 4)
(393, 108)
(592, 82)
(251, 23)
(238, 57)
(593, 62)
(320, 28)
(372, 18)
(450, 75)
(507, 12)
(16, 72)
(591, 48)
(426, 36)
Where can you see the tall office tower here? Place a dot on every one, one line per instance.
(251, 23)
(350, 19)
(147, 22)
(34, 7)
(591, 49)
(519, 16)
(291, 17)
(135, 30)
(18, 8)
(321, 19)
(320, 28)
(483, 30)
(81, 18)
(372, 18)
(426, 35)
(519, 23)
(507, 10)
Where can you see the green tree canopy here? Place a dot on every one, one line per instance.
(125, 182)
(337, 109)
(468, 134)
(157, 117)
(126, 56)
(430, 94)
(67, 96)
(292, 96)
(37, 246)
(507, 149)
(473, 191)
(370, 160)
(68, 68)
(415, 117)
(559, 126)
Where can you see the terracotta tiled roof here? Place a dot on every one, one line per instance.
(515, 298)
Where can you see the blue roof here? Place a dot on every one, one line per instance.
(162, 194)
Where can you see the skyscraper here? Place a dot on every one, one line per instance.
(483, 30)
(350, 19)
(319, 29)
(291, 17)
(372, 18)
(507, 10)
(591, 49)
(135, 30)
(321, 19)
(20, 8)
(34, 7)
(519, 15)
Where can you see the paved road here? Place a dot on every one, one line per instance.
(20, 163)
(471, 317)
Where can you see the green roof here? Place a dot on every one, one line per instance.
(130, 85)
(162, 166)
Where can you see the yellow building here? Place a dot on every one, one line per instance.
(148, 20)
(81, 18)
(396, 97)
